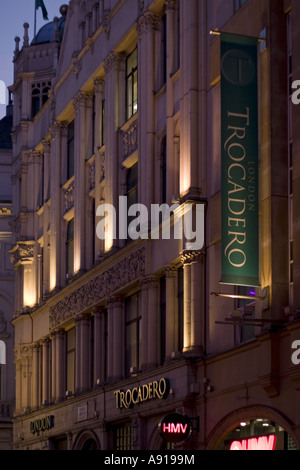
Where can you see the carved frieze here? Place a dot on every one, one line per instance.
(96, 290)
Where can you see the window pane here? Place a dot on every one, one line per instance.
(70, 150)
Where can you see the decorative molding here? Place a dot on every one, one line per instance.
(22, 253)
(103, 286)
(102, 165)
(69, 196)
(146, 23)
(112, 60)
(130, 140)
(91, 175)
(188, 257)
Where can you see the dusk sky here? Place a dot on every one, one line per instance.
(13, 14)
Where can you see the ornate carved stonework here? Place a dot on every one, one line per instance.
(102, 166)
(21, 252)
(69, 196)
(130, 140)
(105, 285)
(147, 22)
(91, 174)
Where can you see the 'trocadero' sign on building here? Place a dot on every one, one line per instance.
(157, 389)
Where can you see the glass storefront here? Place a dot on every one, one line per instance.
(258, 434)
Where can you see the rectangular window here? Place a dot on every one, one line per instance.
(102, 141)
(239, 3)
(70, 248)
(71, 351)
(132, 334)
(162, 302)
(131, 84)
(70, 150)
(180, 308)
(132, 190)
(122, 437)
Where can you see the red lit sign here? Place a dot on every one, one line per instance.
(255, 443)
(175, 428)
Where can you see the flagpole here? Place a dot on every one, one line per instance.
(34, 18)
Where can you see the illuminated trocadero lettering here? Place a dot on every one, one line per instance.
(157, 389)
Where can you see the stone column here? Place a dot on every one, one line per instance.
(60, 366)
(18, 386)
(55, 209)
(85, 355)
(194, 302)
(78, 354)
(110, 340)
(170, 273)
(190, 90)
(118, 337)
(153, 325)
(147, 26)
(46, 371)
(186, 304)
(144, 323)
(53, 366)
(99, 344)
(81, 103)
(170, 14)
(35, 377)
(111, 67)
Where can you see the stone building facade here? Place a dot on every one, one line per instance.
(119, 100)
(7, 370)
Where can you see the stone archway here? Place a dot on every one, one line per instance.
(87, 440)
(230, 421)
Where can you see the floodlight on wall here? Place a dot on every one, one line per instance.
(252, 295)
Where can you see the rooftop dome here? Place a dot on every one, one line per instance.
(46, 33)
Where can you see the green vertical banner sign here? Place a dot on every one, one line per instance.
(239, 135)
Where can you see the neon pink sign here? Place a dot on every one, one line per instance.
(255, 443)
(175, 428)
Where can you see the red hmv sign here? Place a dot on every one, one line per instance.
(175, 427)
(255, 443)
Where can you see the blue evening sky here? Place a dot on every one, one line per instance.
(13, 14)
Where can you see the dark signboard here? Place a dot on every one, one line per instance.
(175, 427)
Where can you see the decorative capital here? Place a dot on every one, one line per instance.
(81, 100)
(112, 61)
(99, 85)
(170, 271)
(188, 257)
(147, 23)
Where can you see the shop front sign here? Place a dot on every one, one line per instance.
(42, 424)
(175, 427)
(128, 398)
(255, 443)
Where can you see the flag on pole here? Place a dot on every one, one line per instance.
(40, 4)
